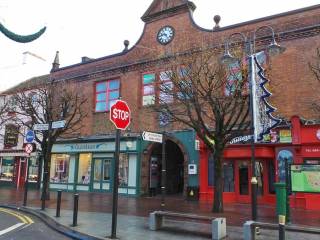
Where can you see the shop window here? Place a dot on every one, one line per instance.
(123, 169)
(210, 170)
(106, 94)
(33, 169)
(228, 170)
(84, 170)
(59, 171)
(6, 169)
(272, 177)
(148, 89)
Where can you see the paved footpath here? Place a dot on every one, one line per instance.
(94, 218)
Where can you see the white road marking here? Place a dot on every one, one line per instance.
(9, 229)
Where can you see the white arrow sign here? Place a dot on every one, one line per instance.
(41, 127)
(58, 124)
(152, 137)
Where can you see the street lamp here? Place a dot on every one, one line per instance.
(272, 49)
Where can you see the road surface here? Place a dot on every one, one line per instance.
(18, 225)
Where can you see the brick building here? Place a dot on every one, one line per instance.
(88, 157)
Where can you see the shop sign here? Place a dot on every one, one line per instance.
(312, 150)
(285, 136)
(93, 147)
(241, 139)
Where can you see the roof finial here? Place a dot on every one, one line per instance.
(126, 45)
(216, 19)
(55, 64)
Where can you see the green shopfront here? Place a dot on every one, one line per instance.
(88, 165)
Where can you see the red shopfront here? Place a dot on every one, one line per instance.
(306, 143)
(303, 147)
(238, 172)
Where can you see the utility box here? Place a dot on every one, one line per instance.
(281, 196)
(193, 193)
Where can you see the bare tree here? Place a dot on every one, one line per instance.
(197, 91)
(48, 103)
(315, 68)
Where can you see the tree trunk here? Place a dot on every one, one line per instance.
(218, 180)
(46, 172)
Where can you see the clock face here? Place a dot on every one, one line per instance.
(165, 35)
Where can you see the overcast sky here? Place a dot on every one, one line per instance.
(97, 28)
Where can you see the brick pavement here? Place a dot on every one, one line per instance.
(137, 210)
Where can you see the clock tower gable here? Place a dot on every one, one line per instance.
(164, 8)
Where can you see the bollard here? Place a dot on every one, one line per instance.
(75, 210)
(58, 203)
(282, 231)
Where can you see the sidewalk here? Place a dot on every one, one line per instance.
(95, 209)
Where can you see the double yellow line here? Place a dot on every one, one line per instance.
(23, 218)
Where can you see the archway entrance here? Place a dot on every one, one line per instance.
(174, 167)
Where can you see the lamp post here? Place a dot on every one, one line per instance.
(273, 49)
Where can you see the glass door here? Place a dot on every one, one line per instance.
(101, 174)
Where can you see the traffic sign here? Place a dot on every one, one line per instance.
(28, 148)
(120, 114)
(152, 137)
(30, 136)
(58, 124)
(41, 127)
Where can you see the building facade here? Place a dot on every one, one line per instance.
(84, 163)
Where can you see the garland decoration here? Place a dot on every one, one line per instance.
(21, 38)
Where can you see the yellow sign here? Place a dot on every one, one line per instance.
(285, 136)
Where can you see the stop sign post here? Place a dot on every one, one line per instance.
(120, 116)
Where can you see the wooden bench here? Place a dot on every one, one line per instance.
(218, 225)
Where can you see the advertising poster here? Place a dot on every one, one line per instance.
(305, 178)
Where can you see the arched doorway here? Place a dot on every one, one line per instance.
(174, 167)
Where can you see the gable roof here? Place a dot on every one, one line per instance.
(165, 7)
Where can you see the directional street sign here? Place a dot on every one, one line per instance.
(30, 136)
(41, 127)
(152, 137)
(28, 148)
(120, 114)
(58, 124)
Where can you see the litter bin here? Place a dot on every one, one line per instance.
(281, 195)
(193, 193)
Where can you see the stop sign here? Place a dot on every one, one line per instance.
(120, 114)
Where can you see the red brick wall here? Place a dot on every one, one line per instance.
(293, 86)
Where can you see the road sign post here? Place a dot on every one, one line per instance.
(120, 115)
(29, 148)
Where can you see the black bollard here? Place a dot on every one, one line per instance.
(75, 210)
(58, 203)
(282, 230)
